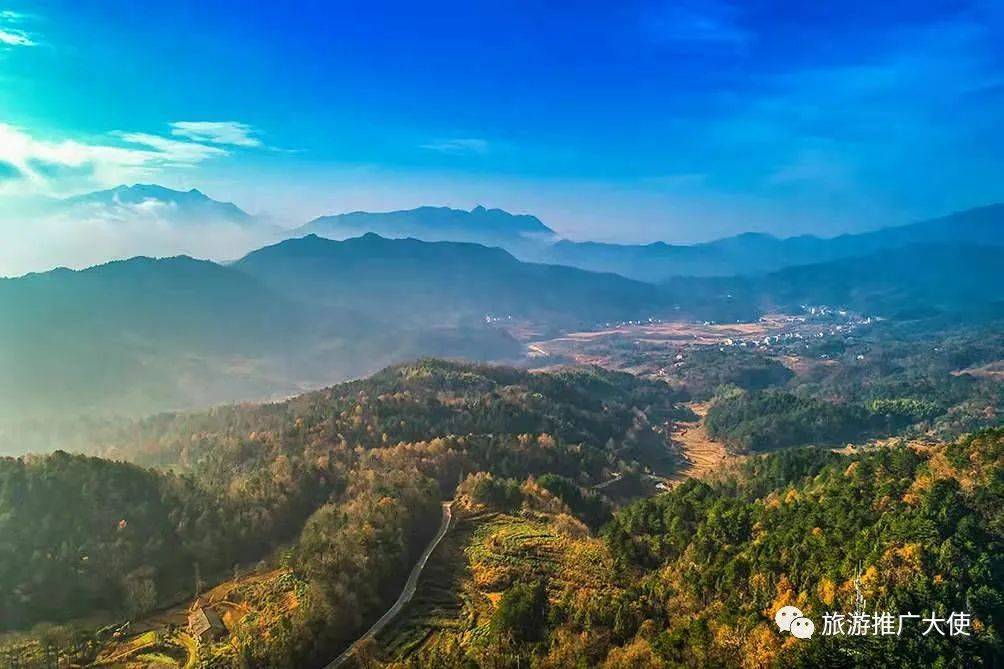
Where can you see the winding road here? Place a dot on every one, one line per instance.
(406, 594)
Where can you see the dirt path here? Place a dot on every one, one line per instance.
(704, 456)
(409, 590)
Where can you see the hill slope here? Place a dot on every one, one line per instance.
(693, 577)
(359, 468)
(147, 334)
(137, 334)
(408, 281)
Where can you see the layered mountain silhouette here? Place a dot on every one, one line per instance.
(907, 282)
(749, 253)
(520, 234)
(524, 236)
(756, 253)
(124, 222)
(143, 334)
(146, 334)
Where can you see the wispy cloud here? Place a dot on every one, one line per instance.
(42, 166)
(233, 133)
(90, 232)
(171, 151)
(11, 36)
(459, 146)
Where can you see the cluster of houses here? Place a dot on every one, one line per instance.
(619, 324)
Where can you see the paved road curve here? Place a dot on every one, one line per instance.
(409, 589)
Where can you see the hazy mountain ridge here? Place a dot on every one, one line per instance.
(415, 281)
(124, 222)
(133, 335)
(757, 253)
(478, 225)
(748, 253)
(144, 334)
(148, 219)
(920, 280)
(179, 206)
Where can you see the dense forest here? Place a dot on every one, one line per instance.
(902, 379)
(769, 420)
(348, 480)
(693, 577)
(330, 495)
(110, 537)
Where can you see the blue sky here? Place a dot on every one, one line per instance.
(628, 120)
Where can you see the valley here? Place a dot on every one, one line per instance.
(533, 528)
(487, 335)
(613, 470)
(704, 457)
(639, 347)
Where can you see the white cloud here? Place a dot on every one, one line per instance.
(88, 235)
(233, 133)
(56, 167)
(10, 36)
(459, 146)
(36, 236)
(172, 151)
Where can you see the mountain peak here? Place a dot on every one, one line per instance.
(480, 225)
(183, 206)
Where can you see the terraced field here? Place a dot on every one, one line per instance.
(473, 567)
(440, 600)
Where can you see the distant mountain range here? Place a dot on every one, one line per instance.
(415, 283)
(756, 253)
(750, 253)
(907, 282)
(141, 335)
(123, 222)
(524, 236)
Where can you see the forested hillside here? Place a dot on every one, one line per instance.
(887, 379)
(693, 577)
(360, 467)
(110, 538)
